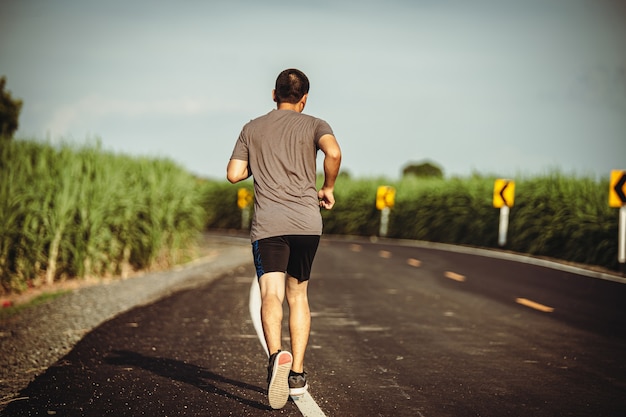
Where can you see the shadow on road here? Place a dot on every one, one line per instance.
(186, 373)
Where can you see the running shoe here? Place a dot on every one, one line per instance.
(297, 383)
(277, 379)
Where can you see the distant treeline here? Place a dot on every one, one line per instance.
(76, 211)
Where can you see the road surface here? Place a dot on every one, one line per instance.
(398, 330)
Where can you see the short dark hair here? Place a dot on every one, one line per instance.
(291, 86)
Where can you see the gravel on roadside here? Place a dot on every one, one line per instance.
(37, 337)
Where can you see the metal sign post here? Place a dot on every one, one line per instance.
(621, 251)
(503, 227)
(384, 222)
(245, 218)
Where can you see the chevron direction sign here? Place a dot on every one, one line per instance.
(244, 198)
(617, 188)
(503, 193)
(385, 197)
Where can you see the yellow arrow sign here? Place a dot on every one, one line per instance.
(244, 198)
(617, 188)
(503, 193)
(385, 196)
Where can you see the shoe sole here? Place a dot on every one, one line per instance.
(278, 389)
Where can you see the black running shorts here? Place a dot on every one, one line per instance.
(292, 254)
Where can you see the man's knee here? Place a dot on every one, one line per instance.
(272, 284)
(296, 290)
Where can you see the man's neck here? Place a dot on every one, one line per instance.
(289, 106)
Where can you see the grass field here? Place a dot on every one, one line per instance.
(68, 212)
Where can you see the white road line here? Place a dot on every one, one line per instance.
(492, 253)
(305, 403)
(255, 312)
(307, 406)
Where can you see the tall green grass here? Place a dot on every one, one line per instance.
(567, 218)
(554, 215)
(76, 211)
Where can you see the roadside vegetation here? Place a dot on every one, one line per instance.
(69, 212)
(11, 310)
(554, 215)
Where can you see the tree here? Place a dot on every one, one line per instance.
(424, 169)
(9, 112)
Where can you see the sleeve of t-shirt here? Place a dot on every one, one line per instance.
(322, 129)
(241, 147)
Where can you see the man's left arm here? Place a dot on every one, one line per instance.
(332, 161)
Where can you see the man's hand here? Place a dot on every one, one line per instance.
(326, 197)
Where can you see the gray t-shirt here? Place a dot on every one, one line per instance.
(281, 149)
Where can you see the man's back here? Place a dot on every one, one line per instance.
(281, 151)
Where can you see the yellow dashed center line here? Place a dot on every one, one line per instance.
(454, 276)
(532, 304)
(384, 254)
(414, 262)
(355, 248)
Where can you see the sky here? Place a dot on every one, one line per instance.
(495, 87)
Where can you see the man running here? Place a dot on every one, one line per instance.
(279, 150)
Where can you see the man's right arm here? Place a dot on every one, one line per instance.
(332, 161)
(237, 170)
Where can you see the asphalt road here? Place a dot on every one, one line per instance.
(397, 331)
